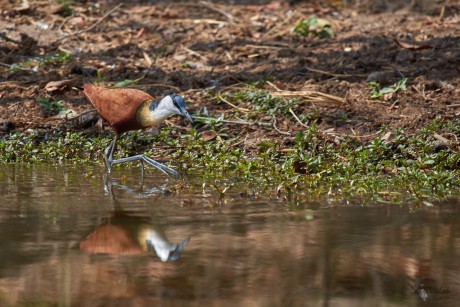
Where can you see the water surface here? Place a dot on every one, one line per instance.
(71, 238)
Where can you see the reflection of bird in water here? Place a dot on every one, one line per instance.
(125, 233)
(127, 109)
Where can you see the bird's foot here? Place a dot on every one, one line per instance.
(108, 165)
(163, 168)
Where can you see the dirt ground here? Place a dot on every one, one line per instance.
(203, 50)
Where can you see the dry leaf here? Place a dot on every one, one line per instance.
(209, 135)
(59, 85)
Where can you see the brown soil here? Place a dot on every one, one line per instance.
(203, 45)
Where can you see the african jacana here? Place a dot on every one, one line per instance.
(127, 109)
(127, 233)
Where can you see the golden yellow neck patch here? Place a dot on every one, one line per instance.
(144, 114)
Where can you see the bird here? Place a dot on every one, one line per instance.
(127, 109)
(128, 233)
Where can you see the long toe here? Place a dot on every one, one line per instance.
(161, 167)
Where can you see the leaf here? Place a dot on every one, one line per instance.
(59, 85)
(124, 83)
(386, 90)
(209, 135)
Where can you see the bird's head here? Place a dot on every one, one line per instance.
(175, 104)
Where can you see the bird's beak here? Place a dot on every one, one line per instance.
(186, 114)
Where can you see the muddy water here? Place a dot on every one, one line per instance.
(68, 238)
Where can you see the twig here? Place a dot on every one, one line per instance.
(313, 95)
(231, 104)
(454, 136)
(274, 86)
(290, 109)
(92, 26)
(358, 136)
(177, 126)
(277, 46)
(239, 142)
(282, 25)
(276, 128)
(208, 21)
(211, 6)
(333, 74)
(64, 22)
(298, 120)
(233, 121)
(194, 53)
(441, 14)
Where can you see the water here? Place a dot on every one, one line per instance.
(70, 239)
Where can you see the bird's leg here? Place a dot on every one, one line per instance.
(108, 186)
(109, 154)
(149, 161)
(142, 177)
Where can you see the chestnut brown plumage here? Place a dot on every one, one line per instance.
(128, 233)
(127, 109)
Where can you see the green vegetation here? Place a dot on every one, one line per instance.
(37, 62)
(314, 26)
(50, 105)
(409, 169)
(66, 7)
(377, 91)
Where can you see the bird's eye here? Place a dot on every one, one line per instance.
(176, 104)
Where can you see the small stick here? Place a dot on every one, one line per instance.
(278, 130)
(453, 135)
(298, 119)
(332, 74)
(64, 22)
(314, 95)
(92, 26)
(231, 104)
(214, 8)
(194, 53)
(233, 121)
(359, 136)
(441, 14)
(274, 86)
(209, 21)
(177, 126)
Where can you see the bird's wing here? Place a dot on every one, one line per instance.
(117, 106)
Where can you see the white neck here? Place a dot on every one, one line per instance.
(165, 109)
